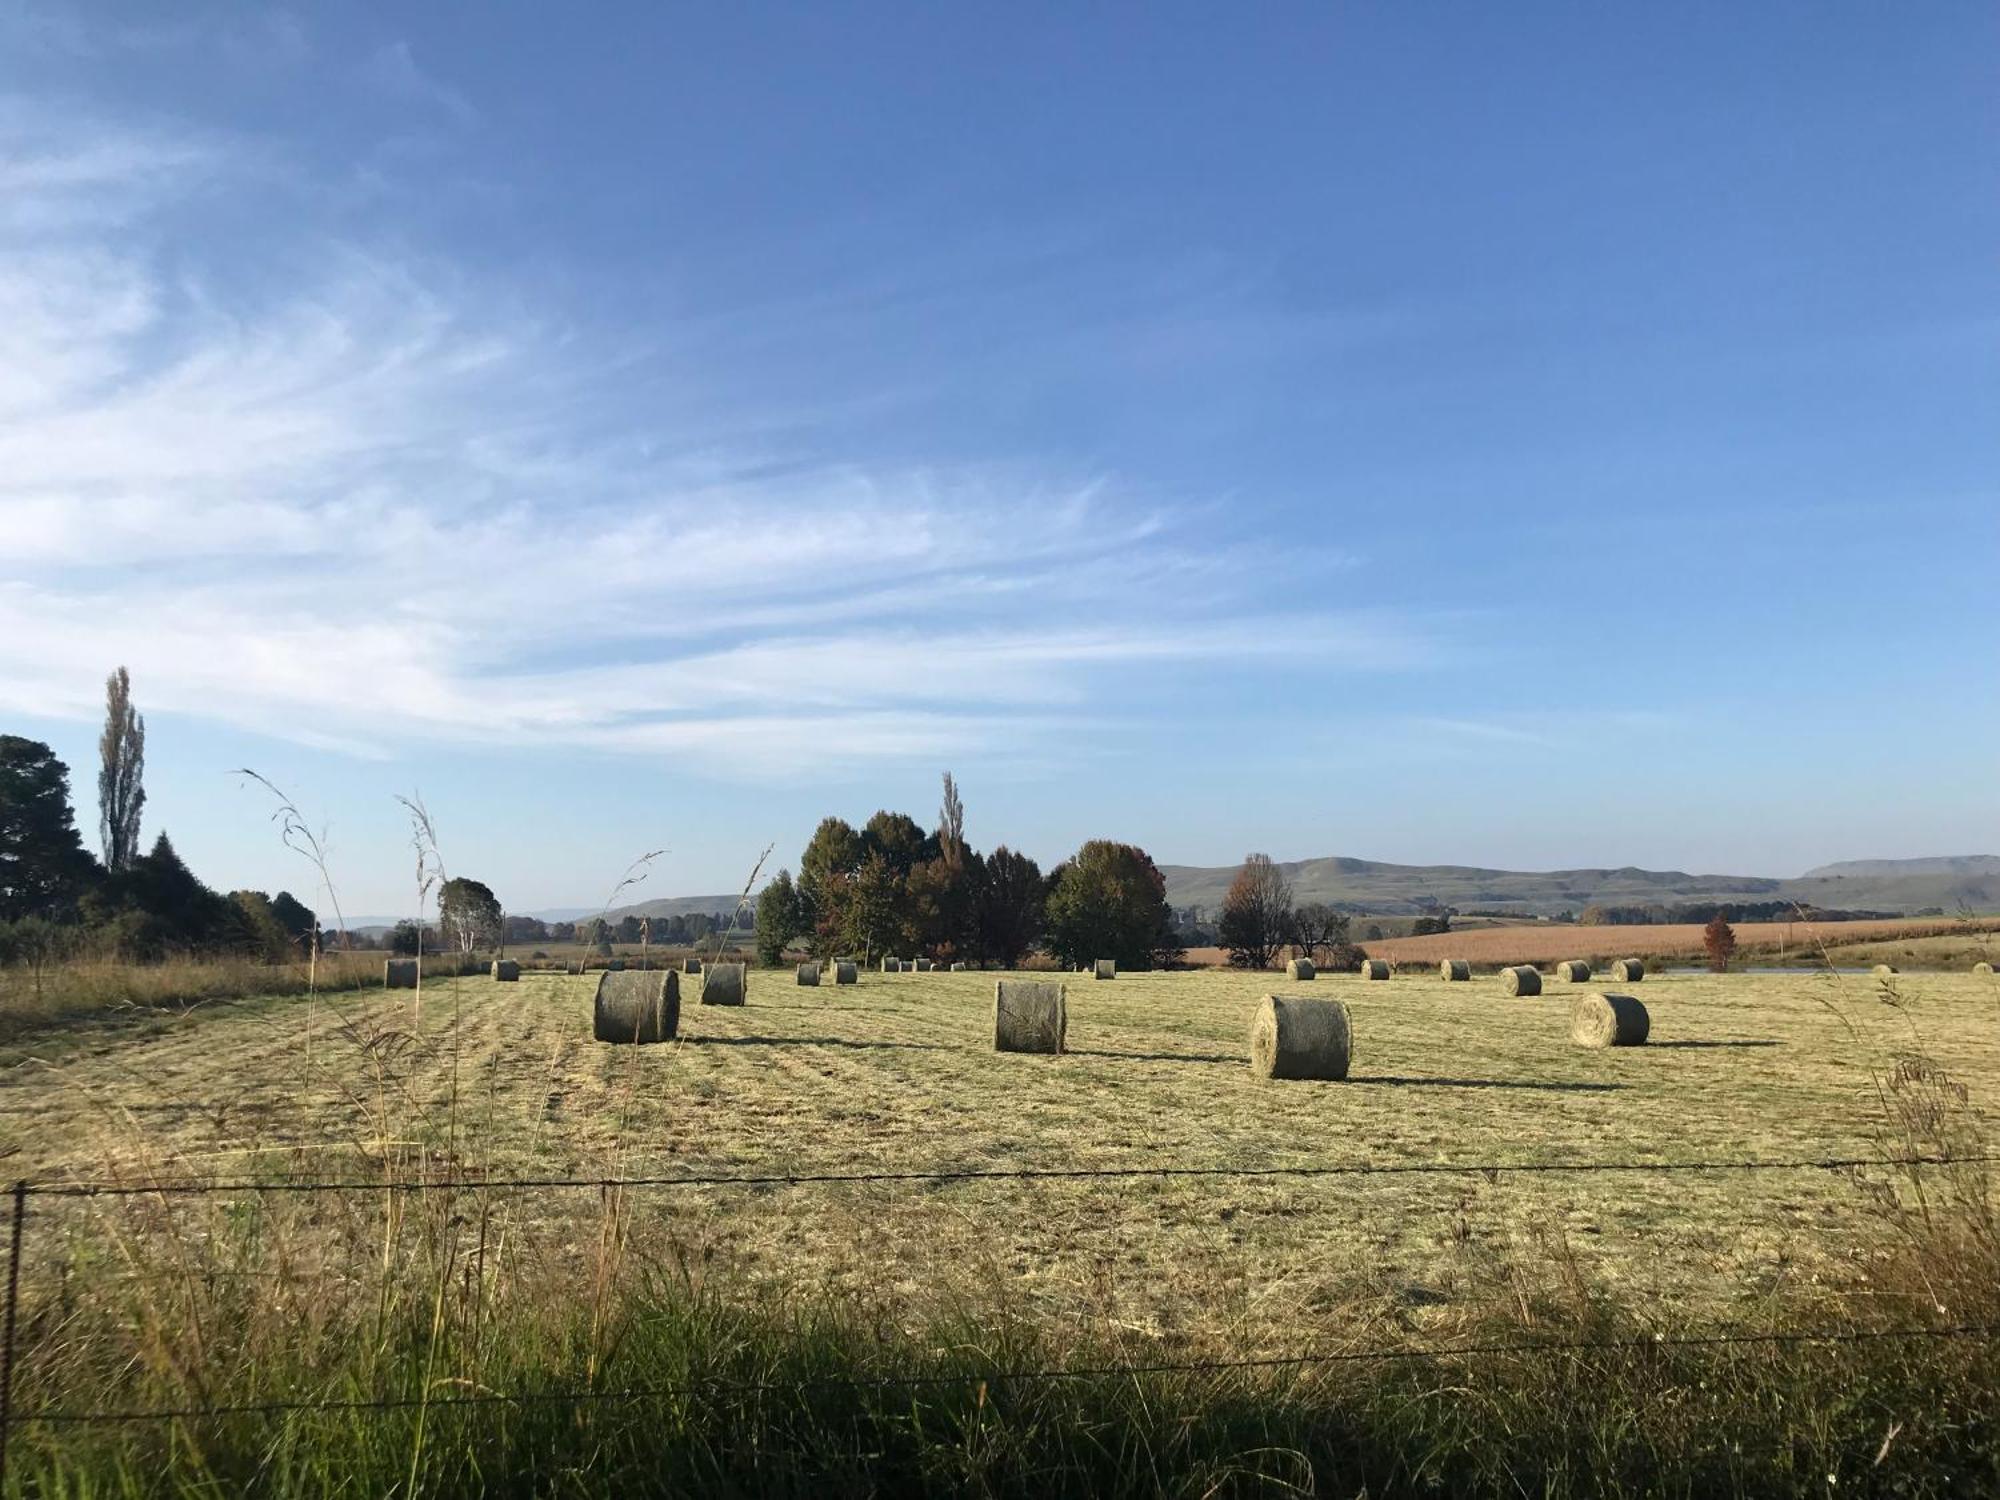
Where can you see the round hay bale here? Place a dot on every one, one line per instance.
(892, 966)
(400, 974)
(615, 966)
(1983, 969)
(1883, 971)
(1374, 968)
(1609, 1021)
(691, 966)
(924, 965)
(637, 1007)
(1293, 1038)
(1629, 970)
(1300, 968)
(1574, 971)
(1104, 968)
(1521, 979)
(846, 971)
(958, 968)
(1030, 1015)
(724, 984)
(1454, 969)
(809, 975)
(506, 968)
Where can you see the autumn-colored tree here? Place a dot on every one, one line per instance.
(1719, 939)
(1256, 914)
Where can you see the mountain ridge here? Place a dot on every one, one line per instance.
(1946, 882)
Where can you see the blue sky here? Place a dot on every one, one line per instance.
(1518, 435)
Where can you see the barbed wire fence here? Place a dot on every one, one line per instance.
(24, 1192)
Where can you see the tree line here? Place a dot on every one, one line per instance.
(892, 889)
(141, 903)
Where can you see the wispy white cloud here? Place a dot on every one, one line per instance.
(383, 504)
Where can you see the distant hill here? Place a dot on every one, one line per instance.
(1974, 866)
(1401, 890)
(676, 906)
(1948, 883)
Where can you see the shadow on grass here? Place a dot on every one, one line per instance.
(1490, 1083)
(1760, 1043)
(1185, 1057)
(814, 1041)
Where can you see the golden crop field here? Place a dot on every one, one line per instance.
(898, 1075)
(1551, 942)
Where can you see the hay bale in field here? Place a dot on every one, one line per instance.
(1299, 968)
(1294, 1038)
(400, 974)
(924, 966)
(1374, 968)
(1104, 968)
(958, 968)
(690, 966)
(1628, 970)
(892, 966)
(1609, 1021)
(846, 971)
(614, 966)
(506, 968)
(1454, 969)
(809, 975)
(1029, 1015)
(1883, 971)
(1521, 979)
(1574, 971)
(725, 984)
(637, 1007)
(1983, 969)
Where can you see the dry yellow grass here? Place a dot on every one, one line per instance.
(900, 1075)
(1551, 942)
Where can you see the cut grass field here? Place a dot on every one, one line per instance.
(123, 1296)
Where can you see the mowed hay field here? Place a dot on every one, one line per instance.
(897, 1075)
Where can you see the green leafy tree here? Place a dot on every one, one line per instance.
(941, 904)
(1009, 907)
(825, 883)
(1256, 913)
(779, 918)
(875, 908)
(158, 906)
(404, 937)
(298, 920)
(469, 915)
(44, 868)
(899, 840)
(121, 790)
(261, 934)
(1109, 900)
(630, 928)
